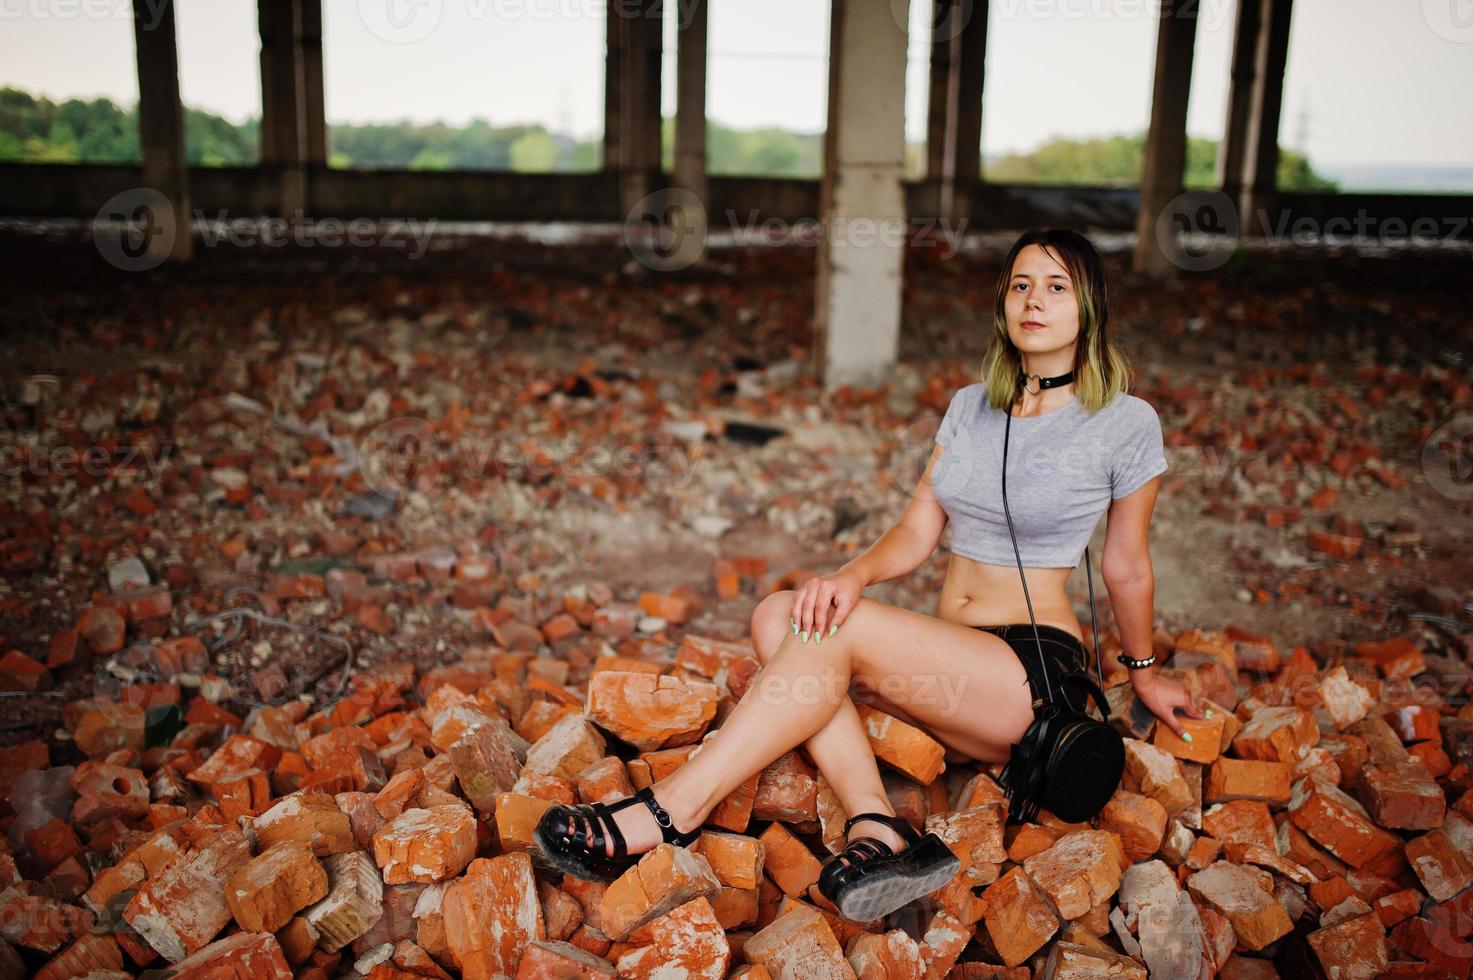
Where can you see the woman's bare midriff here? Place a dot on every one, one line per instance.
(978, 594)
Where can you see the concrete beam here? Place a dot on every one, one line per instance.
(862, 202)
(1157, 252)
(954, 117)
(1240, 98)
(283, 114)
(313, 102)
(632, 138)
(690, 130)
(161, 124)
(1261, 147)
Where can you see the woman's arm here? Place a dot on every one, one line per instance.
(1131, 581)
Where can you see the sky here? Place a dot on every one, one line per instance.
(1368, 81)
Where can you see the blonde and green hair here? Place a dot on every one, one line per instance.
(1101, 370)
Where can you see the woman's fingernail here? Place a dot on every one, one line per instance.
(1209, 712)
(795, 626)
(804, 636)
(833, 630)
(1186, 736)
(818, 636)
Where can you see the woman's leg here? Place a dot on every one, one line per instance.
(841, 748)
(965, 686)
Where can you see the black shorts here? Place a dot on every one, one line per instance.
(1062, 651)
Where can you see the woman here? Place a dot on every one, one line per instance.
(1078, 445)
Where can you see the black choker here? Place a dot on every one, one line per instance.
(1054, 382)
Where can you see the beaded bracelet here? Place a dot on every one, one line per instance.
(1137, 664)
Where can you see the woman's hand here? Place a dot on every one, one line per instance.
(1164, 696)
(822, 604)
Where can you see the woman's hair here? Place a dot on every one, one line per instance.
(1101, 370)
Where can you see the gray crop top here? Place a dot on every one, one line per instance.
(1064, 468)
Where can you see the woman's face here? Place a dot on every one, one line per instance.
(1042, 309)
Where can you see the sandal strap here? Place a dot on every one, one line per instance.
(668, 831)
(901, 827)
(597, 828)
(864, 848)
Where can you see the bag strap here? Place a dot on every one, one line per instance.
(1042, 664)
(1094, 630)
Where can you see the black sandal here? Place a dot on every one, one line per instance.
(572, 838)
(868, 879)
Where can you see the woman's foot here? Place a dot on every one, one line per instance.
(880, 832)
(638, 825)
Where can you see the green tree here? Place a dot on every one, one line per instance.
(429, 159)
(534, 152)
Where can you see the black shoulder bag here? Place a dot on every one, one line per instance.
(1067, 761)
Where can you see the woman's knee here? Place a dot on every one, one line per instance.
(770, 621)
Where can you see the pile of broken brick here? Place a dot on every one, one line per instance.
(388, 833)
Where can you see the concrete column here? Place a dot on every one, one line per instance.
(690, 129)
(613, 72)
(1240, 98)
(632, 138)
(954, 116)
(937, 103)
(283, 119)
(862, 205)
(1166, 142)
(969, 53)
(313, 103)
(1261, 147)
(161, 124)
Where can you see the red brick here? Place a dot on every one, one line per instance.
(650, 711)
(1019, 916)
(799, 944)
(1257, 918)
(181, 910)
(664, 879)
(426, 844)
(546, 958)
(274, 886)
(491, 914)
(253, 955)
